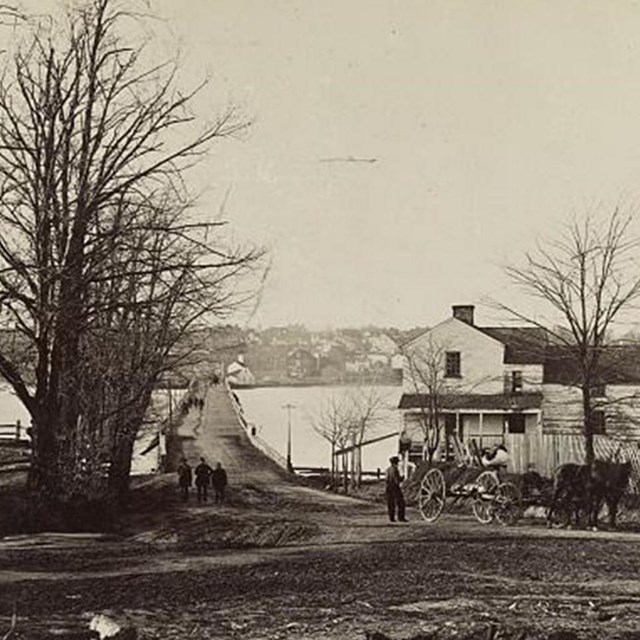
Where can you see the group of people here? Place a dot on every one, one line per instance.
(205, 477)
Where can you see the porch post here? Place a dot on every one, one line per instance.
(480, 416)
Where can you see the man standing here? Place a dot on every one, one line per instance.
(185, 478)
(393, 490)
(203, 478)
(219, 481)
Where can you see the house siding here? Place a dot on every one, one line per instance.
(532, 375)
(481, 358)
(561, 410)
(623, 412)
(563, 415)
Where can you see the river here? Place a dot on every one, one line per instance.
(265, 408)
(12, 410)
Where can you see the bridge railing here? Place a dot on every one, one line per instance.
(252, 430)
(13, 431)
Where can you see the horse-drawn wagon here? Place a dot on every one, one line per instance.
(480, 484)
(574, 491)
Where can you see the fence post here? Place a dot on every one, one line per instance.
(18, 429)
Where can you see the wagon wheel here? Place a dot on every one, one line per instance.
(626, 509)
(486, 486)
(507, 505)
(432, 495)
(563, 513)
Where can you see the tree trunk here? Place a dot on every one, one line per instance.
(120, 471)
(345, 472)
(358, 459)
(588, 425)
(333, 467)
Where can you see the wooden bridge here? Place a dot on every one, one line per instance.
(15, 447)
(213, 426)
(14, 431)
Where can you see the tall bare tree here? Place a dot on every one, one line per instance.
(365, 413)
(345, 420)
(425, 367)
(588, 278)
(102, 265)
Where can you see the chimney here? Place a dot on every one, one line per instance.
(464, 312)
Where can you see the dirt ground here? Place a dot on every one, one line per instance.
(293, 563)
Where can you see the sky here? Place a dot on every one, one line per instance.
(490, 123)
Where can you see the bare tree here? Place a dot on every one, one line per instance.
(588, 278)
(365, 406)
(426, 368)
(332, 422)
(101, 267)
(345, 420)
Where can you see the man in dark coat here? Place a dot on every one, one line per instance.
(203, 478)
(219, 481)
(185, 479)
(393, 490)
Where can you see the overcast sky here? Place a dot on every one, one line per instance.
(489, 122)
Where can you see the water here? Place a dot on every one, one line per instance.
(11, 409)
(264, 407)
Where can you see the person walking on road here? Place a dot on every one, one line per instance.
(219, 481)
(393, 490)
(185, 479)
(203, 479)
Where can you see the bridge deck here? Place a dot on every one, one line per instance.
(216, 434)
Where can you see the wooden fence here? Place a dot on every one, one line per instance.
(13, 431)
(544, 453)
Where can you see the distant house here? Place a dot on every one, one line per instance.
(381, 343)
(302, 364)
(378, 360)
(513, 385)
(239, 375)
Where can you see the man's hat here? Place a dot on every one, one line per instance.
(394, 459)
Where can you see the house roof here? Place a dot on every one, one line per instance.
(523, 345)
(618, 364)
(475, 401)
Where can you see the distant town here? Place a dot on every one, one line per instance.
(296, 355)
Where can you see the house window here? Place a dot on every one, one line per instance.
(598, 391)
(452, 364)
(598, 422)
(515, 423)
(516, 382)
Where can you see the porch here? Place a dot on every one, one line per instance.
(512, 420)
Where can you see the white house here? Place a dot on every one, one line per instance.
(513, 385)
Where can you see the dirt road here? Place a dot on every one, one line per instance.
(355, 574)
(280, 560)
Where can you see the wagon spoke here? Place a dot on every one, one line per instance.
(507, 504)
(432, 495)
(486, 486)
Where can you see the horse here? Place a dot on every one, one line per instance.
(579, 487)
